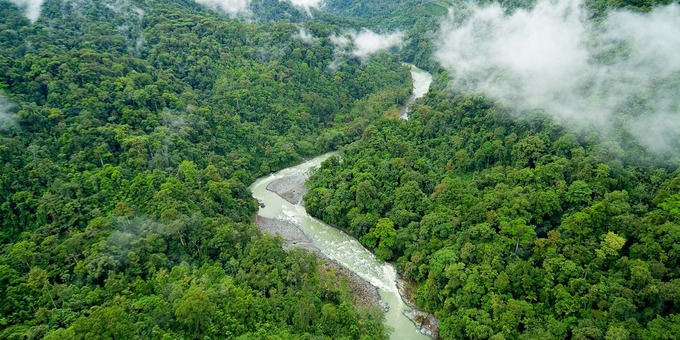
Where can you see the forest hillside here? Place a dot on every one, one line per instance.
(524, 197)
(129, 133)
(533, 193)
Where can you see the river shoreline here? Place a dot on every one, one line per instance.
(371, 282)
(364, 294)
(292, 189)
(421, 84)
(426, 323)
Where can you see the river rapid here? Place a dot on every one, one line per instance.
(334, 243)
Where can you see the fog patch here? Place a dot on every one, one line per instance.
(232, 8)
(132, 27)
(340, 41)
(365, 43)
(305, 36)
(31, 8)
(368, 42)
(622, 71)
(307, 5)
(7, 119)
(175, 122)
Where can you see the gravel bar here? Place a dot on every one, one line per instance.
(290, 188)
(363, 293)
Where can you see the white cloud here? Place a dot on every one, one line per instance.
(305, 36)
(340, 40)
(368, 42)
(31, 8)
(307, 5)
(365, 43)
(553, 58)
(6, 118)
(125, 8)
(132, 29)
(230, 7)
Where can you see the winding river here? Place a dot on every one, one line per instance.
(421, 84)
(339, 246)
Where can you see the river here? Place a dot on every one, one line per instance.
(339, 246)
(421, 84)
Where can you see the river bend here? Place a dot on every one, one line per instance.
(337, 245)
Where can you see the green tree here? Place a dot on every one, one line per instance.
(196, 310)
(382, 238)
(104, 323)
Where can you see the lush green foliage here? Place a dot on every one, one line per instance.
(512, 228)
(125, 164)
(137, 126)
(389, 14)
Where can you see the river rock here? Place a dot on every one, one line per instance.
(427, 323)
(363, 294)
(289, 232)
(290, 188)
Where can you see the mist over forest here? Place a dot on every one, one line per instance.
(31, 8)
(6, 119)
(553, 58)
(533, 192)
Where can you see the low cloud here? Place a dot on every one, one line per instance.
(624, 70)
(307, 5)
(132, 27)
(305, 36)
(365, 43)
(125, 9)
(7, 119)
(368, 42)
(232, 8)
(340, 40)
(31, 8)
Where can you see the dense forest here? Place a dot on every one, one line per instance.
(515, 226)
(131, 129)
(511, 228)
(129, 133)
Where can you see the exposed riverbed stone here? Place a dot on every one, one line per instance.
(290, 188)
(289, 231)
(427, 323)
(363, 294)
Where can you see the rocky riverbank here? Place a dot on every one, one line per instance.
(290, 188)
(363, 293)
(427, 323)
(289, 231)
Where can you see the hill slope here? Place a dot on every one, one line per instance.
(130, 131)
